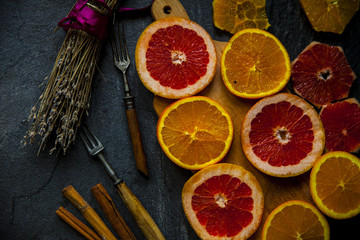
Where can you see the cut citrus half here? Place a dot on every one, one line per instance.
(175, 58)
(295, 220)
(223, 201)
(341, 122)
(321, 74)
(195, 132)
(233, 16)
(255, 64)
(282, 135)
(335, 184)
(330, 15)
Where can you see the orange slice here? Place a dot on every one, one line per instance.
(335, 184)
(233, 16)
(175, 58)
(294, 220)
(255, 64)
(195, 132)
(282, 135)
(223, 201)
(330, 15)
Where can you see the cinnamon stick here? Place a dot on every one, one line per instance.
(76, 224)
(88, 212)
(112, 214)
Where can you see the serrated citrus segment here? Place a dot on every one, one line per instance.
(321, 74)
(329, 15)
(335, 184)
(341, 122)
(233, 16)
(195, 132)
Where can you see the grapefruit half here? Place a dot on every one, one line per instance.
(175, 58)
(223, 201)
(282, 135)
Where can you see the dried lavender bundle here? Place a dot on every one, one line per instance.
(66, 96)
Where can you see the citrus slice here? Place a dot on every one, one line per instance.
(233, 16)
(330, 15)
(321, 74)
(282, 135)
(175, 58)
(335, 184)
(223, 201)
(195, 132)
(295, 220)
(255, 64)
(341, 122)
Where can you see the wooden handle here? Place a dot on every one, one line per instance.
(141, 216)
(136, 141)
(88, 212)
(111, 212)
(168, 8)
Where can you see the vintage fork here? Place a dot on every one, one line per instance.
(122, 61)
(137, 210)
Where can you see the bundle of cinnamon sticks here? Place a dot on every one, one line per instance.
(101, 230)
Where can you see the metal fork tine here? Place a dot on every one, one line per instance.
(120, 31)
(114, 48)
(91, 142)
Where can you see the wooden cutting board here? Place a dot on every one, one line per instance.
(276, 190)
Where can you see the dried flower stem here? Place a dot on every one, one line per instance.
(66, 96)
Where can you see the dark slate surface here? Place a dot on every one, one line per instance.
(30, 185)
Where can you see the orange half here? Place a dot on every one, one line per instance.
(294, 220)
(335, 184)
(195, 132)
(255, 64)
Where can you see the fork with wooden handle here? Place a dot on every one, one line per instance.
(122, 61)
(137, 210)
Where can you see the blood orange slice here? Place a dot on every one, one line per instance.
(296, 220)
(282, 135)
(341, 122)
(223, 201)
(335, 184)
(175, 58)
(321, 74)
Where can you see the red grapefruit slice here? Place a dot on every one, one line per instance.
(223, 201)
(321, 74)
(282, 135)
(341, 122)
(175, 58)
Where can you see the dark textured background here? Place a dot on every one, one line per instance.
(30, 185)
